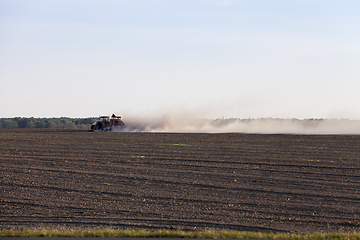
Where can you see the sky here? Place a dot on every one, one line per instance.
(204, 58)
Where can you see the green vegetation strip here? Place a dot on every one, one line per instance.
(173, 234)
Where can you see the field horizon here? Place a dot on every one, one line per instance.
(191, 124)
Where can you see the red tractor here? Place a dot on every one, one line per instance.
(106, 123)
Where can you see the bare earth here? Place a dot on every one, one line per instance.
(247, 182)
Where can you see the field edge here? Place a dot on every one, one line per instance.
(173, 234)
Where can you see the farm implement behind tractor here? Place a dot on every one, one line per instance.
(106, 123)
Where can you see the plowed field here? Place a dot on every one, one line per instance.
(248, 182)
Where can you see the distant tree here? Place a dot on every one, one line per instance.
(24, 122)
(9, 124)
(21, 122)
(40, 124)
(63, 122)
(30, 124)
(49, 124)
(85, 121)
(69, 124)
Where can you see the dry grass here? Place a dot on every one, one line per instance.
(173, 234)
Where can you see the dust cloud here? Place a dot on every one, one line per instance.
(176, 123)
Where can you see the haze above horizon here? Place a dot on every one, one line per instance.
(203, 58)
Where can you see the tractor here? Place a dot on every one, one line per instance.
(106, 123)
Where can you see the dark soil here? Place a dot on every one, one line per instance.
(248, 182)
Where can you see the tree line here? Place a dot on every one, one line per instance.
(62, 122)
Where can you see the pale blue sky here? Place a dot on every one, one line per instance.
(244, 58)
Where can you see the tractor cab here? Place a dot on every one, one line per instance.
(104, 119)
